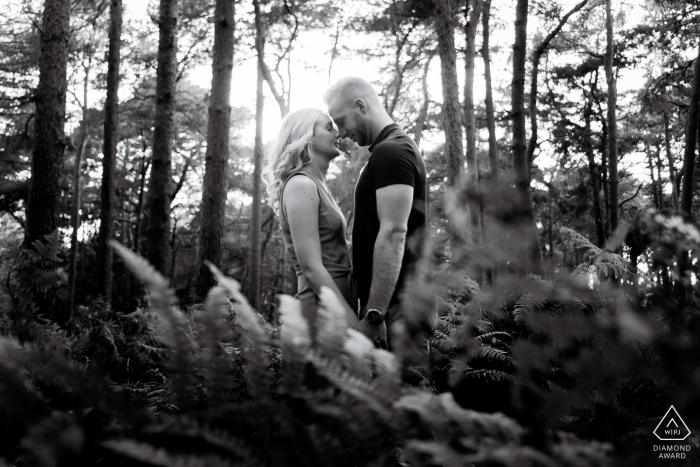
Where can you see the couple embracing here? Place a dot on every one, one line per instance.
(390, 208)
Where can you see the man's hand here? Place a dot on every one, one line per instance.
(375, 332)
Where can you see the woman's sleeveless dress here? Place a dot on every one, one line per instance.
(334, 250)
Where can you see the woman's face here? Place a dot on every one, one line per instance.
(326, 138)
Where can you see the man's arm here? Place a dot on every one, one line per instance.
(393, 208)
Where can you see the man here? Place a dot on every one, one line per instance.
(390, 204)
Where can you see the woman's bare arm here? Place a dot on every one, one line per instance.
(301, 202)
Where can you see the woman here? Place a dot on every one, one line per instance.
(312, 224)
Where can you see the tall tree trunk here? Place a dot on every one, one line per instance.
(50, 110)
(595, 176)
(654, 191)
(451, 118)
(659, 163)
(75, 224)
(423, 114)
(158, 200)
(691, 136)
(214, 191)
(490, 119)
(671, 165)
(256, 207)
(611, 117)
(520, 165)
(109, 159)
(469, 117)
(536, 56)
(77, 199)
(604, 175)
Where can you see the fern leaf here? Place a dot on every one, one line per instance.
(148, 454)
(525, 306)
(331, 322)
(294, 332)
(493, 336)
(493, 375)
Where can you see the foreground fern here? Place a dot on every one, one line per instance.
(340, 402)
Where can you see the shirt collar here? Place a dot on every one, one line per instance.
(384, 134)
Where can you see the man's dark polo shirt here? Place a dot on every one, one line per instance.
(394, 160)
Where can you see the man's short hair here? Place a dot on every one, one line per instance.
(348, 89)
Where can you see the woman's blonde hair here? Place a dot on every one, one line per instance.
(290, 152)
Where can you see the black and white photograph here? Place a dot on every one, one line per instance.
(349, 233)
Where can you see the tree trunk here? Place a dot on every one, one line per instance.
(451, 118)
(654, 191)
(671, 165)
(490, 119)
(520, 165)
(469, 117)
(253, 287)
(109, 159)
(158, 200)
(75, 224)
(537, 54)
(423, 114)
(604, 175)
(691, 136)
(595, 177)
(611, 118)
(214, 190)
(47, 158)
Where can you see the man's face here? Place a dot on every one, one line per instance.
(351, 122)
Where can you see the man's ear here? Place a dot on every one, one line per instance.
(361, 106)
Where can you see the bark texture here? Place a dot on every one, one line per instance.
(109, 158)
(214, 188)
(47, 158)
(423, 114)
(158, 199)
(451, 115)
(520, 164)
(490, 119)
(595, 175)
(50, 111)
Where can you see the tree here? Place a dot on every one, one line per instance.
(109, 158)
(490, 119)
(536, 56)
(520, 165)
(691, 135)
(611, 117)
(256, 207)
(158, 200)
(214, 186)
(451, 115)
(50, 109)
(469, 118)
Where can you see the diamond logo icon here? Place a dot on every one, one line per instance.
(672, 427)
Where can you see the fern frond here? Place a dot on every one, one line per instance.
(331, 322)
(494, 355)
(488, 375)
(526, 306)
(493, 336)
(148, 454)
(250, 318)
(368, 393)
